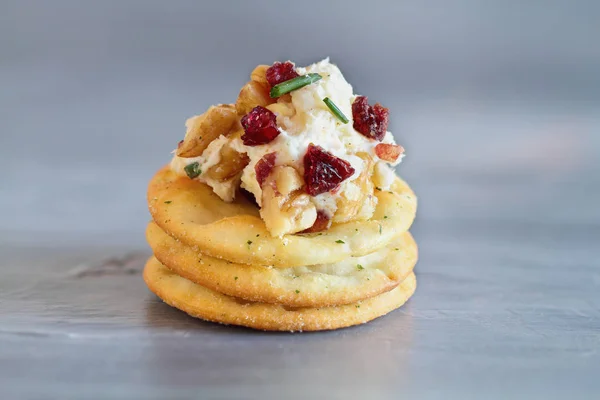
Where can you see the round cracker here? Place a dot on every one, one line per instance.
(344, 282)
(209, 305)
(189, 211)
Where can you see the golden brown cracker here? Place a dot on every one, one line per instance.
(344, 282)
(189, 211)
(209, 305)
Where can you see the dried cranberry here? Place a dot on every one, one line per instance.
(321, 223)
(260, 126)
(281, 72)
(323, 171)
(371, 122)
(388, 152)
(264, 166)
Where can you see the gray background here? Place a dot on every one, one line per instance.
(496, 102)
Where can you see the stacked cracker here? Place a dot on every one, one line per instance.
(216, 261)
(223, 259)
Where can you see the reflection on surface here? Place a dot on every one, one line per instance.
(371, 358)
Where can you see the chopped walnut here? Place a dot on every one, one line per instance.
(252, 94)
(259, 75)
(322, 223)
(282, 109)
(389, 152)
(231, 164)
(285, 207)
(356, 201)
(203, 129)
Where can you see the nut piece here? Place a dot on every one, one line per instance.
(285, 208)
(259, 75)
(322, 223)
(231, 164)
(286, 180)
(281, 109)
(357, 202)
(389, 152)
(203, 129)
(252, 94)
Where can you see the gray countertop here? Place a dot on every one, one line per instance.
(503, 150)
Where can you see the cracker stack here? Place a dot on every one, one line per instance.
(217, 261)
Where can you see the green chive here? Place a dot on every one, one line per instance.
(378, 188)
(297, 291)
(359, 267)
(236, 278)
(168, 202)
(293, 84)
(335, 110)
(249, 242)
(192, 170)
(340, 241)
(380, 229)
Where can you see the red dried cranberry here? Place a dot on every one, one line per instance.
(260, 126)
(371, 122)
(321, 223)
(264, 166)
(388, 152)
(323, 171)
(281, 72)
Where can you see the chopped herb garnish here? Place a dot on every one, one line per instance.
(357, 306)
(192, 170)
(356, 229)
(380, 229)
(385, 217)
(378, 188)
(297, 291)
(168, 202)
(397, 248)
(293, 84)
(359, 267)
(257, 235)
(335, 110)
(236, 278)
(249, 242)
(340, 241)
